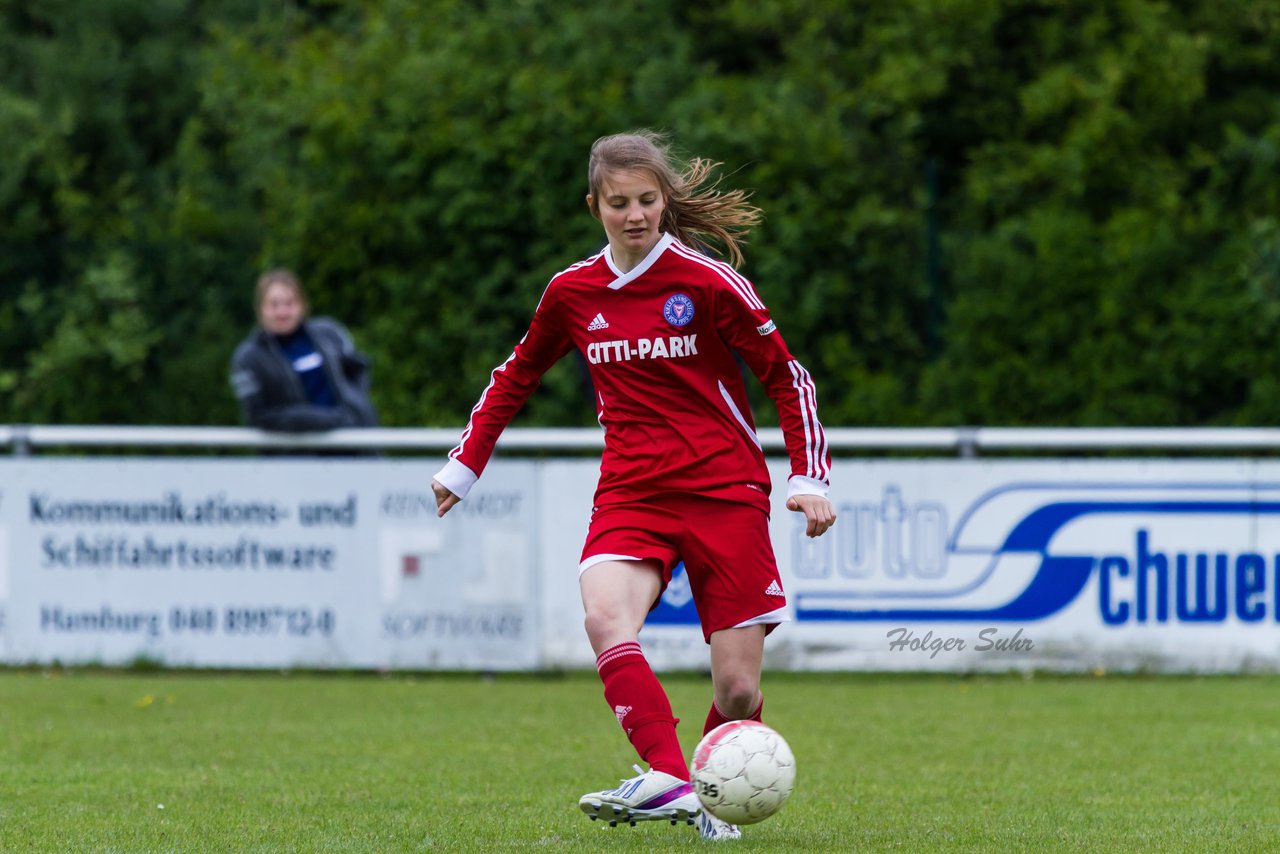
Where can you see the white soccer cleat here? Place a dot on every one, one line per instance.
(651, 796)
(713, 828)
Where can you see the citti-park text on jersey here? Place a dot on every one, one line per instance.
(622, 350)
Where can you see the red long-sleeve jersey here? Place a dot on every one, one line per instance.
(660, 342)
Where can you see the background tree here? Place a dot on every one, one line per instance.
(1100, 176)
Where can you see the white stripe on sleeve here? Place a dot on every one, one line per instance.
(815, 439)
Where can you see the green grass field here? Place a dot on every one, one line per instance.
(143, 762)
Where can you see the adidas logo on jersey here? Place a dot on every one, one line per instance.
(774, 589)
(598, 323)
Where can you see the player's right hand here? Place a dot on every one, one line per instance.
(444, 498)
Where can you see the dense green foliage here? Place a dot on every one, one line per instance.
(1010, 212)
(300, 763)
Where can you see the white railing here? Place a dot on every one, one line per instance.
(23, 440)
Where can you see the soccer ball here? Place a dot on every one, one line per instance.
(743, 772)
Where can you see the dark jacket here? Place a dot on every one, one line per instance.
(271, 394)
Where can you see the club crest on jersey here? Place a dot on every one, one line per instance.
(678, 310)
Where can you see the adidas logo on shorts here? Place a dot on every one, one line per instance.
(774, 589)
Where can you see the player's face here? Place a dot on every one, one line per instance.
(630, 208)
(281, 309)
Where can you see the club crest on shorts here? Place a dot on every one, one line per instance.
(678, 310)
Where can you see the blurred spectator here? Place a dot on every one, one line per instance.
(296, 373)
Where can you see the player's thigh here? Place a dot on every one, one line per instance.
(616, 596)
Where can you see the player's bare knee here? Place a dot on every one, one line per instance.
(738, 698)
(602, 624)
(595, 624)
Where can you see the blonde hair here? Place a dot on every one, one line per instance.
(698, 213)
(279, 276)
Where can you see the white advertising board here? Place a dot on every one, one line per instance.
(994, 565)
(263, 563)
(956, 565)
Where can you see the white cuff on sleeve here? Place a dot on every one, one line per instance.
(799, 485)
(457, 478)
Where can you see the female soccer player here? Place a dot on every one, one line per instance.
(683, 476)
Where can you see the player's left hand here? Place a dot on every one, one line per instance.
(445, 500)
(817, 511)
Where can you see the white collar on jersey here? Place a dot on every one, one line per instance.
(638, 270)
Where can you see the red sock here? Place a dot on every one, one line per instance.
(642, 707)
(715, 718)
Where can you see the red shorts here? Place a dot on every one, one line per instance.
(725, 546)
